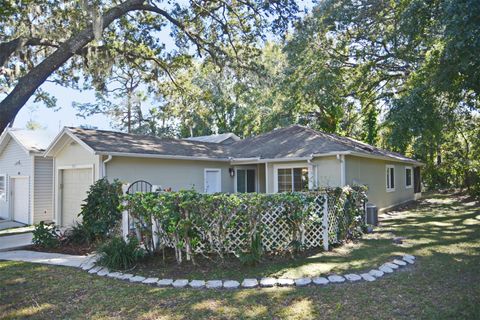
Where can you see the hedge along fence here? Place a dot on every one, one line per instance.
(244, 223)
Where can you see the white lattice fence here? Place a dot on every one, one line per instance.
(323, 220)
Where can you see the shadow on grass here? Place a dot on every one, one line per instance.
(426, 224)
(443, 284)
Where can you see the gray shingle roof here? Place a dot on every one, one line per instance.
(290, 142)
(117, 142)
(299, 141)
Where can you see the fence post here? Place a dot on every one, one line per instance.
(325, 222)
(155, 224)
(125, 218)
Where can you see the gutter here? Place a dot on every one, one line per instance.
(159, 156)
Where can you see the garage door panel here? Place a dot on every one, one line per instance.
(20, 195)
(76, 183)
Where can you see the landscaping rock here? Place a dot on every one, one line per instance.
(353, 277)
(114, 275)
(303, 282)
(249, 283)
(320, 280)
(336, 278)
(231, 284)
(197, 284)
(410, 261)
(285, 282)
(268, 282)
(385, 269)
(391, 265)
(165, 282)
(136, 279)
(180, 283)
(94, 270)
(367, 277)
(125, 276)
(409, 256)
(103, 272)
(399, 262)
(214, 284)
(88, 266)
(150, 281)
(376, 273)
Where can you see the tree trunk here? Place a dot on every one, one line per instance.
(28, 84)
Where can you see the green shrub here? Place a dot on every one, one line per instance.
(100, 211)
(118, 254)
(78, 234)
(46, 235)
(254, 255)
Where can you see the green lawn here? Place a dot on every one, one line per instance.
(443, 232)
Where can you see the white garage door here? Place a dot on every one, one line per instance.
(76, 183)
(20, 192)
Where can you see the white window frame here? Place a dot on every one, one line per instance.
(219, 178)
(245, 168)
(4, 187)
(387, 176)
(411, 178)
(291, 166)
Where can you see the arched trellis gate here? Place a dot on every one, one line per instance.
(137, 186)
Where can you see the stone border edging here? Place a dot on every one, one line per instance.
(248, 283)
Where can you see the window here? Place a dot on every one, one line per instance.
(3, 188)
(408, 177)
(390, 178)
(292, 179)
(246, 180)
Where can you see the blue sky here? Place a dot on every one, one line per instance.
(66, 114)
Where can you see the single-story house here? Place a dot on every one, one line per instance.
(26, 176)
(290, 159)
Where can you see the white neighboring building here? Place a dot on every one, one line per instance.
(26, 177)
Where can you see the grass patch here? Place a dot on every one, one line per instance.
(443, 232)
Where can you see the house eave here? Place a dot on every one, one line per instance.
(369, 156)
(158, 156)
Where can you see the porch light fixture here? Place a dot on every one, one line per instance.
(231, 171)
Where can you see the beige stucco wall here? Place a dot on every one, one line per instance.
(261, 177)
(372, 173)
(167, 173)
(328, 171)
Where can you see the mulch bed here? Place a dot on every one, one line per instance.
(156, 266)
(79, 250)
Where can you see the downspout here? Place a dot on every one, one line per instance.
(341, 157)
(104, 166)
(312, 179)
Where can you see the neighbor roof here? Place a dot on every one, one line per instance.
(288, 143)
(216, 138)
(35, 141)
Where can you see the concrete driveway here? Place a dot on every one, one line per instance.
(7, 224)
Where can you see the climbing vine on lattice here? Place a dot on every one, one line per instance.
(192, 223)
